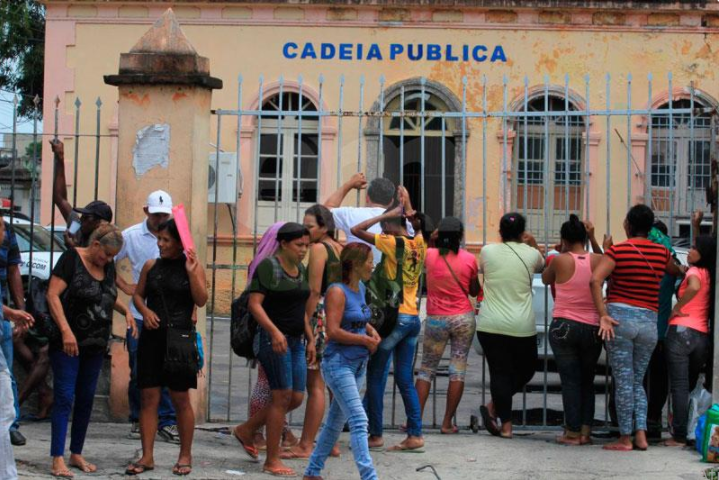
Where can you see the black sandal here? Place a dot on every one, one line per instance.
(137, 469)
(489, 423)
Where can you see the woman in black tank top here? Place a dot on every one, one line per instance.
(324, 269)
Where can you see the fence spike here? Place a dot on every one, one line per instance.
(239, 79)
(300, 79)
(464, 80)
(57, 101)
(36, 100)
(15, 100)
(98, 102)
(77, 102)
(321, 78)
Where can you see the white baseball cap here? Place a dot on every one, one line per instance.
(159, 201)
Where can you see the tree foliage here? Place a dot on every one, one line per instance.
(22, 50)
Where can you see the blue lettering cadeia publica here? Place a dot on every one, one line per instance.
(433, 52)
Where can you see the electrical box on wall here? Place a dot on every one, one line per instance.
(224, 180)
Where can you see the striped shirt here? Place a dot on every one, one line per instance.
(640, 266)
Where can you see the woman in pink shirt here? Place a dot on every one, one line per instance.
(574, 333)
(688, 343)
(451, 279)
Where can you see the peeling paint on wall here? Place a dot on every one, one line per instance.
(152, 148)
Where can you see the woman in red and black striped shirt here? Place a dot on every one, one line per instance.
(628, 320)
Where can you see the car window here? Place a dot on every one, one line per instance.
(41, 239)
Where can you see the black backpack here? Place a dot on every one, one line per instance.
(384, 296)
(243, 327)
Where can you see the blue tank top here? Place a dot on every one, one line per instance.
(354, 319)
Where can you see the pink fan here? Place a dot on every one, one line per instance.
(183, 227)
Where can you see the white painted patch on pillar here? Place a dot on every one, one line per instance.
(152, 148)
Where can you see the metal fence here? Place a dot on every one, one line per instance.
(541, 154)
(475, 151)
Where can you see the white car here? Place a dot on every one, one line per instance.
(40, 244)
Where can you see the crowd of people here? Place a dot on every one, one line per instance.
(322, 326)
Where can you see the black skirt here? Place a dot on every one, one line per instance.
(151, 360)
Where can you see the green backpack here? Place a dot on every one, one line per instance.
(384, 296)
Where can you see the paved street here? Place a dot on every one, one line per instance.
(454, 457)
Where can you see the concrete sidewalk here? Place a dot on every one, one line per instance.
(454, 457)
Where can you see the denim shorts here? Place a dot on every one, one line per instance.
(284, 372)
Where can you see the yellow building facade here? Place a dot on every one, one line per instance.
(477, 56)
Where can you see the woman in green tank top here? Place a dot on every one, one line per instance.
(323, 269)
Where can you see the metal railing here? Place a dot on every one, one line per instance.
(437, 143)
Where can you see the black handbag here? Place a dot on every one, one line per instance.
(181, 354)
(36, 305)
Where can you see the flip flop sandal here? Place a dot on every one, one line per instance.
(250, 451)
(85, 467)
(178, 466)
(137, 469)
(489, 423)
(290, 455)
(280, 472)
(455, 430)
(63, 474)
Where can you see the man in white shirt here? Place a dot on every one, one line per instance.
(140, 245)
(381, 194)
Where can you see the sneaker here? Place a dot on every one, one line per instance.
(17, 438)
(134, 431)
(169, 434)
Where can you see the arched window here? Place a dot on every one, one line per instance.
(403, 144)
(679, 164)
(548, 159)
(288, 159)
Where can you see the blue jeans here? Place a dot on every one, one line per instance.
(284, 372)
(629, 355)
(344, 378)
(7, 351)
(402, 342)
(166, 411)
(75, 380)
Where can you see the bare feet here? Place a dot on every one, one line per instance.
(246, 441)
(375, 442)
(640, 440)
(624, 444)
(59, 468)
(674, 443)
(336, 452)
(409, 444)
(567, 440)
(77, 461)
(585, 440)
(449, 429)
(506, 431)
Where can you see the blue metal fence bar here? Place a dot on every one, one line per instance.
(546, 242)
(484, 210)
(279, 154)
(256, 178)
(629, 142)
(525, 153)
(692, 176)
(320, 100)
(648, 195)
(238, 150)
(423, 119)
(587, 141)
(298, 154)
(608, 227)
(463, 202)
(359, 133)
(567, 181)
(401, 137)
(213, 289)
(380, 144)
(56, 113)
(98, 103)
(470, 115)
(15, 100)
(505, 167)
(339, 132)
(78, 103)
(672, 159)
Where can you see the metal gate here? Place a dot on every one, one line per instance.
(546, 153)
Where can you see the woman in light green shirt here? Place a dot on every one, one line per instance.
(506, 328)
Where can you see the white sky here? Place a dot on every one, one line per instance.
(6, 115)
